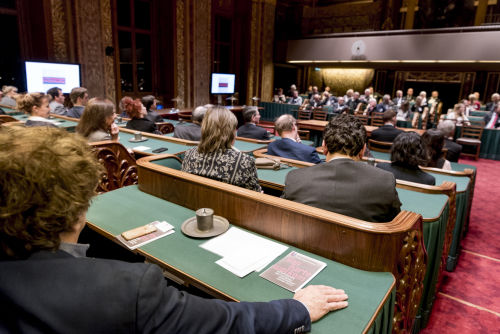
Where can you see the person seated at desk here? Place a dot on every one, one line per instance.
(137, 112)
(37, 105)
(278, 96)
(98, 121)
(215, 156)
(57, 101)
(403, 112)
(433, 140)
(344, 184)
(340, 106)
(191, 131)
(121, 106)
(458, 115)
(388, 131)
(149, 101)
(491, 106)
(48, 285)
(419, 109)
(79, 97)
(407, 153)
(492, 119)
(454, 149)
(289, 146)
(398, 100)
(295, 99)
(385, 104)
(251, 116)
(9, 94)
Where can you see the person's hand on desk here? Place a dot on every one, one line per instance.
(114, 130)
(321, 299)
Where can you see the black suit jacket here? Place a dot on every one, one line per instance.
(287, 148)
(454, 150)
(250, 130)
(188, 131)
(385, 133)
(408, 174)
(153, 116)
(141, 124)
(487, 119)
(347, 187)
(54, 292)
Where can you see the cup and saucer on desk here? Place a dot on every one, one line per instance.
(205, 224)
(138, 137)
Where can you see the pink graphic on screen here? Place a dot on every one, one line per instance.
(54, 80)
(223, 84)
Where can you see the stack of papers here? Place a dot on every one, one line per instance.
(243, 252)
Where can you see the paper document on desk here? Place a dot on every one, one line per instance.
(243, 252)
(162, 230)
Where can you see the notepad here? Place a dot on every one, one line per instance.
(243, 252)
(162, 230)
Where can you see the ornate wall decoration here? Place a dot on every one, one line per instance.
(341, 79)
(432, 76)
(59, 30)
(202, 52)
(180, 56)
(107, 40)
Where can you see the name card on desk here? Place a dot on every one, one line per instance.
(293, 271)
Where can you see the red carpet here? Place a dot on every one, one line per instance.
(469, 298)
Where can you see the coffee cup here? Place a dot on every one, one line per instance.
(137, 135)
(205, 219)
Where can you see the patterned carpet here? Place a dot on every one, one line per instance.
(469, 298)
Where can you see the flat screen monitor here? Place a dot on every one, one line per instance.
(222, 83)
(40, 77)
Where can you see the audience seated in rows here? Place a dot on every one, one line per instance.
(79, 97)
(149, 101)
(492, 118)
(137, 112)
(295, 98)
(9, 94)
(403, 112)
(192, 130)
(419, 110)
(385, 104)
(37, 106)
(387, 132)
(409, 96)
(98, 121)
(47, 284)
(57, 101)
(278, 96)
(216, 158)
(398, 99)
(344, 184)
(454, 149)
(492, 105)
(433, 140)
(407, 154)
(289, 146)
(251, 116)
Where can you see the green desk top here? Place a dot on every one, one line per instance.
(152, 143)
(381, 155)
(61, 123)
(460, 167)
(245, 146)
(134, 208)
(461, 181)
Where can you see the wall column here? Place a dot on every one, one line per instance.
(193, 52)
(260, 67)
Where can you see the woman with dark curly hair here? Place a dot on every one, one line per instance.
(407, 153)
(433, 139)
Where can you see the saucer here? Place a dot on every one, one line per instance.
(190, 228)
(133, 140)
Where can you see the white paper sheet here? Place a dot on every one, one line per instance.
(141, 148)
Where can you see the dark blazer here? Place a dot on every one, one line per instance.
(250, 130)
(345, 186)
(141, 124)
(385, 133)
(287, 148)
(31, 123)
(54, 292)
(454, 150)
(490, 106)
(408, 174)
(487, 119)
(75, 112)
(153, 116)
(188, 131)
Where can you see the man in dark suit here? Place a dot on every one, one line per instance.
(251, 116)
(492, 118)
(47, 285)
(344, 184)
(495, 98)
(289, 146)
(398, 100)
(79, 97)
(192, 131)
(388, 131)
(454, 149)
(385, 104)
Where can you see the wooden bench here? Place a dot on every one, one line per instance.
(395, 246)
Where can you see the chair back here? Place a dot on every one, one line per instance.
(185, 116)
(377, 120)
(472, 132)
(319, 115)
(165, 127)
(304, 134)
(363, 118)
(477, 121)
(268, 127)
(120, 166)
(379, 146)
(303, 114)
(6, 119)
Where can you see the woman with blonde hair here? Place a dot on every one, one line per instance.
(98, 121)
(9, 96)
(37, 105)
(215, 157)
(458, 115)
